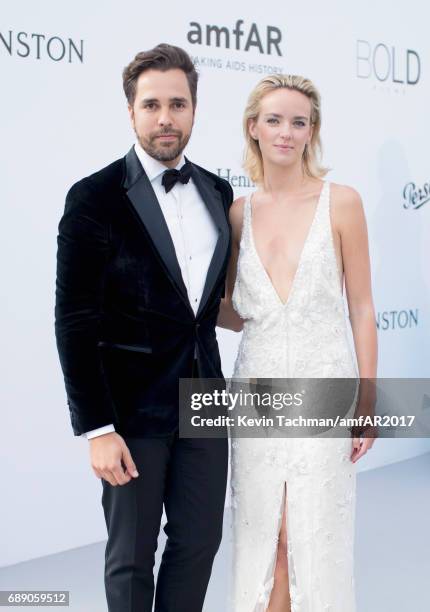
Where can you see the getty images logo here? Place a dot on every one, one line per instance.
(239, 37)
(40, 46)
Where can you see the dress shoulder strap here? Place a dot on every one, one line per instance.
(325, 204)
(325, 195)
(246, 223)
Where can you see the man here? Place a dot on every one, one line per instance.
(143, 248)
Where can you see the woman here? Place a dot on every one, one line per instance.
(296, 240)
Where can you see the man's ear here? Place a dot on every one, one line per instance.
(131, 113)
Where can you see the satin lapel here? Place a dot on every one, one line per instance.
(213, 200)
(142, 197)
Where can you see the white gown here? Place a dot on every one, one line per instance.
(305, 337)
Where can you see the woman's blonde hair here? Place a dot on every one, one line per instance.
(253, 161)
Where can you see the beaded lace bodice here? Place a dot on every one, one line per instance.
(307, 335)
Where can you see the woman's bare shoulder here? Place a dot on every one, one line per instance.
(236, 209)
(344, 196)
(346, 205)
(236, 216)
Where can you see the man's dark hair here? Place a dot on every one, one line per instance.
(162, 57)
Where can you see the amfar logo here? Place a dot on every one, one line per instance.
(415, 198)
(39, 46)
(222, 37)
(387, 63)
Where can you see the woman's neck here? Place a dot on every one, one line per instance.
(283, 181)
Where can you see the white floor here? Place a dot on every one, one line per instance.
(392, 551)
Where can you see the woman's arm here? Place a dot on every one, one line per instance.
(352, 229)
(228, 317)
(351, 223)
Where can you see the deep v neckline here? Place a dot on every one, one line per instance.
(299, 264)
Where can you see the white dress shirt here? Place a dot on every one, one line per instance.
(192, 229)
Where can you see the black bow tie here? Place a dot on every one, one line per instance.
(172, 176)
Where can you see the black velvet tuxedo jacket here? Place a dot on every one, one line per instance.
(124, 326)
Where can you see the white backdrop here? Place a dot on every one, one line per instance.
(63, 116)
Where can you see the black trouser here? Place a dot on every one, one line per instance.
(189, 477)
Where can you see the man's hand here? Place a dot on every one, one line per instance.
(108, 454)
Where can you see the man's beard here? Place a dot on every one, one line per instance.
(164, 152)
